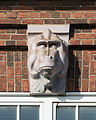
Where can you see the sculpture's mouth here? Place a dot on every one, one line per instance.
(46, 71)
(46, 68)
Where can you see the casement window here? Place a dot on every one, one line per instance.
(19, 111)
(19, 106)
(23, 106)
(75, 111)
(75, 106)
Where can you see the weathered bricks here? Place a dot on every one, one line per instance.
(76, 21)
(10, 73)
(55, 15)
(2, 68)
(54, 21)
(2, 36)
(10, 21)
(77, 15)
(93, 68)
(18, 37)
(25, 85)
(92, 83)
(34, 15)
(32, 21)
(22, 15)
(11, 15)
(44, 14)
(10, 85)
(3, 83)
(8, 43)
(86, 55)
(66, 15)
(18, 82)
(85, 85)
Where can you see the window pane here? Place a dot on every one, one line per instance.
(7, 112)
(65, 113)
(29, 112)
(87, 113)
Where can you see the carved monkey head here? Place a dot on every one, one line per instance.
(47, 55)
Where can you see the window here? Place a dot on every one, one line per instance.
(21, 111)
(75, 111)
(87, 113)
(68, 113)
(29, 112)
(8, 112)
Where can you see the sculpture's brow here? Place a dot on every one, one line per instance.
(48, 41)
(53, 41)
(41, 41)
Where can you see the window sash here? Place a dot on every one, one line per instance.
(8, 112)
(18, 105)
(76, 105)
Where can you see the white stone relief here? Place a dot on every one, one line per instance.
(47, 63)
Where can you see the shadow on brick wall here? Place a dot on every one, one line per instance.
(47, 5)
(74, 72)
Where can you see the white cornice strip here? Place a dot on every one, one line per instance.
(25, 94)
(54, 28)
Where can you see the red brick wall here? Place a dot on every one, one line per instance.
(13, 62)
(82, 58)
(17, 14)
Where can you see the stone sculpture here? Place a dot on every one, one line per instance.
(47, 63)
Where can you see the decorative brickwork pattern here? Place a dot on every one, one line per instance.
(13, 71)
(46, 12)
(82, 71)
(13, 37)
(82, 62)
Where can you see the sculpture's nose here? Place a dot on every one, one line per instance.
(47, 50)
(48, 54)
(48, 57)
(51, 57)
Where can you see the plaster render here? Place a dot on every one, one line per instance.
(47, 63)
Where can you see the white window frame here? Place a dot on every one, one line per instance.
(48, 103)
(25, 104)
(76, 105)
(19, 99)
(79, 99)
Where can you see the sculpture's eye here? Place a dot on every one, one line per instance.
(54, 44)
(41, 44)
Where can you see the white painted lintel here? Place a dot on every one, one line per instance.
(27, 94)
(54, 28)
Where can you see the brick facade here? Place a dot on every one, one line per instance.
(17, 14)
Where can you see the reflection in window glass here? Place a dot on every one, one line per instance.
(7, 112)
(29, 113)
(65, 113)
(87, 113)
